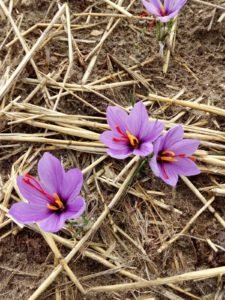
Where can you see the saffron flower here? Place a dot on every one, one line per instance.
(52, 200)
(130, 134)
(173, 156)
(164, 10)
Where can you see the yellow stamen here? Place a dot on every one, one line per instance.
(58, 203)
(162, 9)
(168, 158)
(52, 207)
(168, 152)
(132, 139)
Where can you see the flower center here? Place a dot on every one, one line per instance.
(167, 156)
(134, 141)
(58, 204)
(55, 203)
(170, 156)
(162, 10)
(128, 137)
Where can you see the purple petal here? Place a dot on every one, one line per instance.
(72, 184)
(168, 174)
(164, 171)
(174, 5)
(51, 173)
(53, 223)
(153, 7)
(180, 4)
(26, 213)
(173, 136)
(144, 150)
(137, 118)
(186, 167)
(168, 4)
(107, 139)
(151, 131)
(167, 18)
(172, 9)
(75, 207)
(157, 3)
(116, 117)
(158, 145)
(120, 154)
(186, 146)
(154, 166)
(31, 194)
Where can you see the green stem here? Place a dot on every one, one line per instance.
(142, 162)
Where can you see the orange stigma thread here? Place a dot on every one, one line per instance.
(162, 10)
(132, 139)
(58, 204)
(192, 158)
(168, 156)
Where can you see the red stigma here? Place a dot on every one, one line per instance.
(119, 140)
(120, 131)
(151, 24)
(123, 138)
(32, 182)
(185, 156)
(144, 14)
(128, 137)
(163, 14)
(192, 158)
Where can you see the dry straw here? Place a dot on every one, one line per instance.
(50, 129)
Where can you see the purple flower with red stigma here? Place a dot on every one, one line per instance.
(52, 200)
(130, 134)
(164, 10)
(173, 156)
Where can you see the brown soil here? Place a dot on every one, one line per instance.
(197, 66)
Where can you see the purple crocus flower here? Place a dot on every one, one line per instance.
(164, 10)
(51, 201)
(173, 156)
(130, 134)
